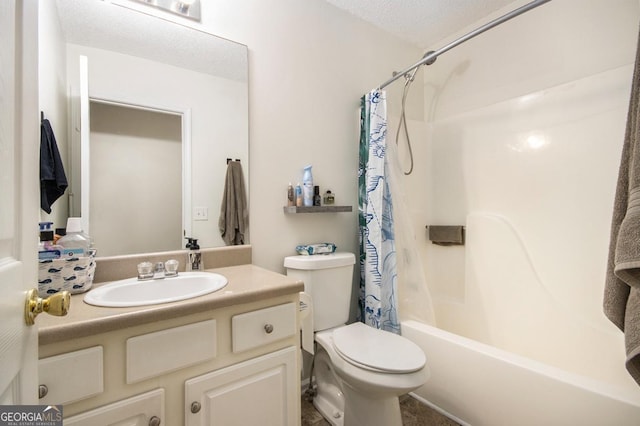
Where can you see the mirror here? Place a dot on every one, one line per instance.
(138, 66)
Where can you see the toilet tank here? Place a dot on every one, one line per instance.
(328, 279)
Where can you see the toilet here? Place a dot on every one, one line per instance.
(359, 371)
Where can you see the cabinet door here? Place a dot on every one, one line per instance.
(140, 410)
(262, 391)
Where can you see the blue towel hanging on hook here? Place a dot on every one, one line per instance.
(53, 181)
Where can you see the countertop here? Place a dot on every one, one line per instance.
(247, 283)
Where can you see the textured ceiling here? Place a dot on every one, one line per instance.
(108, 26)
(421, 22)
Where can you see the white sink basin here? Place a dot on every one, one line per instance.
(132, 292)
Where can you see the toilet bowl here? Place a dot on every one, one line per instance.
(359, 371)
(362, 388)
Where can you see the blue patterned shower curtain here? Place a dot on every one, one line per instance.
(378, 275)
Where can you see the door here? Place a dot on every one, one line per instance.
(19, 204)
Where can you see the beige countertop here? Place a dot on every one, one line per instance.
(247, 283)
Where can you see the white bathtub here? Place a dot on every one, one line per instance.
(477, 384)
(510, 352)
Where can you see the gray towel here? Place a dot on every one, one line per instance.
(234, 216)
(622, 286)
(446, 235)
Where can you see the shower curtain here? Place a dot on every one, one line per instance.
(378, 277)
(393, 287)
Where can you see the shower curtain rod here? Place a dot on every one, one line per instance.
(430, 57)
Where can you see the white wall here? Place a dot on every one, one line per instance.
(309, 64)
(522, 144)
(53, 96)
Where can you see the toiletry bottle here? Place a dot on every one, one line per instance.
(47, 249)
(328, 197)
(76, 243)
(194, 257)
(298, 195)
(290, 196)
(307, 186)
(316, 196)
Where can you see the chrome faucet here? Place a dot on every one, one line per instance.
(158, 271)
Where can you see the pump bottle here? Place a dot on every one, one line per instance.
(194, 256)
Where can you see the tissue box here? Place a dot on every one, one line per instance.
(74, 275)
(311, 249)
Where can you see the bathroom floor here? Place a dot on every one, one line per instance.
(413, 414)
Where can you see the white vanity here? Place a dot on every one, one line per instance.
(226, 358)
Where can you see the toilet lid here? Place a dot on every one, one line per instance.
(377, 349)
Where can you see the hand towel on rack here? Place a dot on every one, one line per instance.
(446, 235)
(234, 217)
(53, 181)
(622, 285)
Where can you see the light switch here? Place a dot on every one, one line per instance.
(200, 213)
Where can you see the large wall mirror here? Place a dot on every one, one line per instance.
(166, 101)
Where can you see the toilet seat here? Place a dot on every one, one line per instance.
(377, 350)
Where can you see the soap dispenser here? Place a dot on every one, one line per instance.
(194, 257)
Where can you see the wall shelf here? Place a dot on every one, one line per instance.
(317, 209)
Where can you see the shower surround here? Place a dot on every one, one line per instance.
(521, 144)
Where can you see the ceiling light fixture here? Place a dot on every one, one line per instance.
(186, 8)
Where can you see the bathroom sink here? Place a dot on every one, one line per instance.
(133, 292)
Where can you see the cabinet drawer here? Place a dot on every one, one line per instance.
(71, 376)
(140, 410)
(161, 352)
(263, 326)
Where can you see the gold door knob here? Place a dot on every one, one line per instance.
(57, 304)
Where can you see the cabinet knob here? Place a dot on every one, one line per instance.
(154, 421)
(195, 407)
(268, 328)
(43, 390)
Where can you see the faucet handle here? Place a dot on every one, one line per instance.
(171, 268)
(145, 271)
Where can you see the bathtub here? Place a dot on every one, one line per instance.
(477, 384)
(510, 351)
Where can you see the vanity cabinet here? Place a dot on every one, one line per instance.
(261, 391)
(233, 365)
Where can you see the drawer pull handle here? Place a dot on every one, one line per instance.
(154, 421)
(43, 390)
(195, 407)
(268, 328)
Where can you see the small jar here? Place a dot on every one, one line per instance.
(329, 197)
